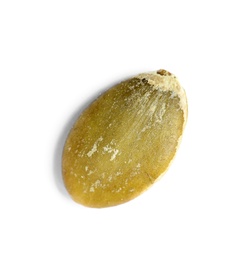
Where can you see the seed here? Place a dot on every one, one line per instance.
(125, 140)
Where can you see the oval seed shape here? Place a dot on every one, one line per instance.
(125, 140)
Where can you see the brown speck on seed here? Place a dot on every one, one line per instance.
(144, 80)
(163, 72)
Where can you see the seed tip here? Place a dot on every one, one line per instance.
(163, 72)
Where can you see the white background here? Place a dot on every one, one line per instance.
(55, 58)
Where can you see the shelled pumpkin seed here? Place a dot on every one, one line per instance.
(125, 140)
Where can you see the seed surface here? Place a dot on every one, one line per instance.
(125, 140)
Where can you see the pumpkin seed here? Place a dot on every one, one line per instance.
(125, 140)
